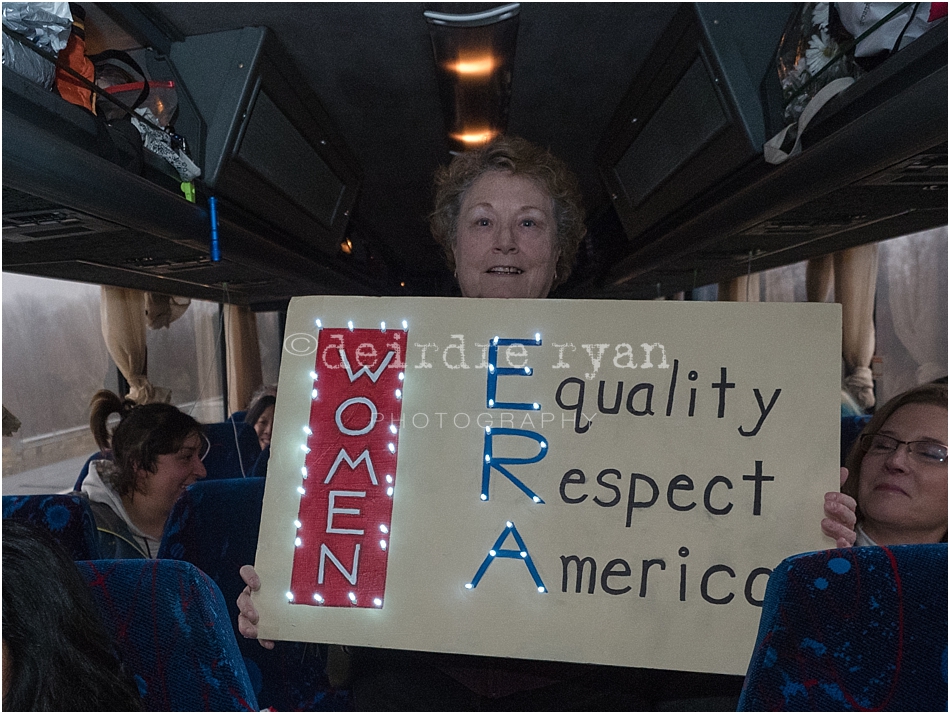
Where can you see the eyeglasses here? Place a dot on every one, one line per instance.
(928, 452)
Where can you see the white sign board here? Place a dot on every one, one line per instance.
(607, 482)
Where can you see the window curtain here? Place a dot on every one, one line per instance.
(914, 305)
(123, 328)
(745, 288)
(853, 273)
(244, 355)
(784, 284)
(162, 310)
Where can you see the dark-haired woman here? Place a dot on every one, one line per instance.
(260, 414)
(57, 655)
(157, 452)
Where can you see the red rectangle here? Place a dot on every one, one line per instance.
(345, 512)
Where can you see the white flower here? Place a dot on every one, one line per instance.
(819, 15)
(821, 49)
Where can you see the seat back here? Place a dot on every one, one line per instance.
(260, 466)
(84, 471)
(67, 517)
(853, 629)
(234, 449)
(170, 626)
(215, 525)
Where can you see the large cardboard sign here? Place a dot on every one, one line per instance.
(589, 481)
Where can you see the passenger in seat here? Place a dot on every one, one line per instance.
(156, 452)
(898, 470)
(509, 217)
(57, 656)
(260, 413)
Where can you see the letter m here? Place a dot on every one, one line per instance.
(566, 560)
(343, 456)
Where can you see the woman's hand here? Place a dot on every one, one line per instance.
(840, 516)
(248, 617)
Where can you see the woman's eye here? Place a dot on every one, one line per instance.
(482, 222)
(528, 223)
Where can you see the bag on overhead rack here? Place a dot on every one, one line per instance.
(910, 22)
(46, 24)
(74, 57)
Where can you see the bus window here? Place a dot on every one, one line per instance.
(54, 359)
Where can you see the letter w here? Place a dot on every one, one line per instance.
(343, 456)
(365, 370)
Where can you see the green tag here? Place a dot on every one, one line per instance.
(188, 188)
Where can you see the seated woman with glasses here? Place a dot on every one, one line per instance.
(156, 452)
(897, 471)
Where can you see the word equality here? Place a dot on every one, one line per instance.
(647, 399)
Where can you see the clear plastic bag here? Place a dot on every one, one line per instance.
(812, 54)
(48, 25)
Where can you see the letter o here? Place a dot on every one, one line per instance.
(422, 414)
(350, 402)
(750, 581)
(455, 420)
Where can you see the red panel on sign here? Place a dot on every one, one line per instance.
(346, 507)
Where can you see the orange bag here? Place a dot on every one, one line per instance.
(74, 57)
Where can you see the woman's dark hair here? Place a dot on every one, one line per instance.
(935, 394)
(144, 432)
(62, 656)
(258, 406)
(522, 158)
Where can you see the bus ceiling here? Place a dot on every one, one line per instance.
(317, 128)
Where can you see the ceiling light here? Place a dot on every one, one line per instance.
(474, 57)
(477, 66)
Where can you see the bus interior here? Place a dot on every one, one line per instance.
(316, 129)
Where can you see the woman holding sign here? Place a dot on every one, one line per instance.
(510, 220)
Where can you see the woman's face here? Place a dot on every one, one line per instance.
(263, 426)
(505, 243)
(903, 493)
(172, 474)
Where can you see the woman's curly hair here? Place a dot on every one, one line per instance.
(522, 158)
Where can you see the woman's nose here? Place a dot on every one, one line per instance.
(200, 470)
(897, 459)
(505, 240)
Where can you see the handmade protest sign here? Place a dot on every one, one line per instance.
(589, 481)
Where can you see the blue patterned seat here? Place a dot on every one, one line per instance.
(66, 517)
(234, 449)
(169, 624)
(854, 629)
(84, 471)
(215, 526)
